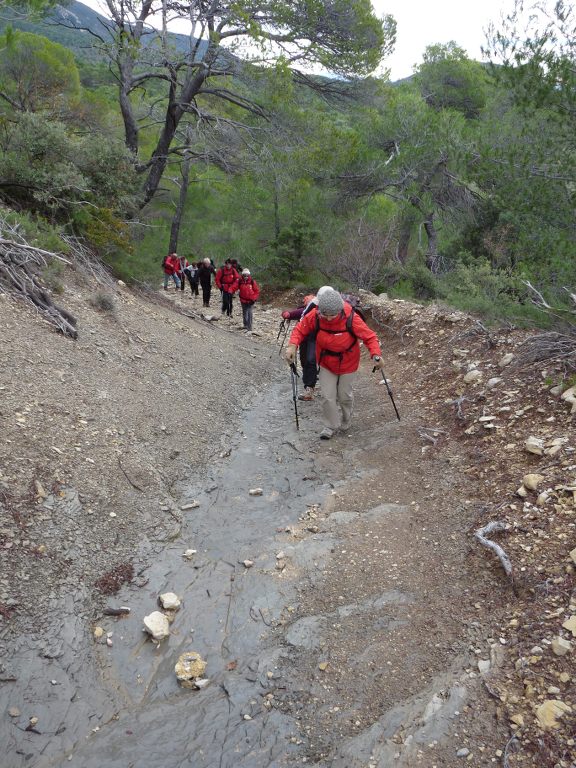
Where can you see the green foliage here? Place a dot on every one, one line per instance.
(36, 74)
(448, 79)
(55, 173)
(292, 249)
(104, 302)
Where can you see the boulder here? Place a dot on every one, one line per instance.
(170, 601)
(550, 712)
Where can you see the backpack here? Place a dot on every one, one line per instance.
(164, 261)
(349, 321)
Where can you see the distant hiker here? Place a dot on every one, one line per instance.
(205, 272)
(227, 280)
(248, 291)
(237, 267)
(183, 265)
(190, 272)
(338, 328)
(171, 266)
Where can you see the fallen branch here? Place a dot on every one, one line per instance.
(458, 403)
(423, 432)
(482, 533)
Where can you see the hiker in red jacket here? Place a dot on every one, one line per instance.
(227, 280)
(338, 328)
(307, 348)
(248, 291)
(171, 265)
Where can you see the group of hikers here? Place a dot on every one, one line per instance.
(327, 333)
(229, 278)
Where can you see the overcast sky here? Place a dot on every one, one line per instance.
(424, 22)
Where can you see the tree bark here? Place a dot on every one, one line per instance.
(177, 219)
(432, 255)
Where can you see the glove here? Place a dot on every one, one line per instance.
(378, 363)
(290, 354)
(286, 315)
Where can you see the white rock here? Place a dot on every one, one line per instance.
(570, 397)
(556, 390)
(532, 481)
(255, 491)
(573, 556)
(247, 563)
(561, 646)
(483, 666)
(522, 492)
(170, 601)
(157, 625)
(493, 382)
(534, 445)
(189, 553)
(464, 752)
(473, 376)
(192, 505)
(505, 360)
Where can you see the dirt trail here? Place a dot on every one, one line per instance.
(355, 638)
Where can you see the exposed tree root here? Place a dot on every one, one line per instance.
(482, 533)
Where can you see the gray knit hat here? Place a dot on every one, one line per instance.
(330, 302)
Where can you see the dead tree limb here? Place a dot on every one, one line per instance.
(482, 535)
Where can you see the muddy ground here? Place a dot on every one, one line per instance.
(371, 629)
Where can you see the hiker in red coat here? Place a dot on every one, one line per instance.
(227, 280)
(171, 265)
(338, 328)
(307, 348)
(248, 291)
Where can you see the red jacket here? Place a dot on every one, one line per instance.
(227, 279)
(249, 290)
(171, 264)
(182, 264)
(333, 337)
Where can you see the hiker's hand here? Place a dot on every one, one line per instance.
(286, 315)
(290, 354)
(378, 364)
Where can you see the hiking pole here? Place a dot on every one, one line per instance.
(284, 337)
(282, 324)
(388, 388)
(294, 376)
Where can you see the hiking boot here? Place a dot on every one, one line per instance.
(326, 433)
(307, 395)
(345, 426)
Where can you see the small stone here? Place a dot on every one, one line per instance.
(522, 492)
(493, 382)
(247, 563)
(517, 719)
(561, 646)
(247, 717)
(532, 481)
(170, 601)
(255, 491)
(33, 721)
(202, 682)
(553, 689)
(323, 666)
(189, 668)
(573, 556)
(189, 553)
(550, 712)
(570, 625)
(534, 445)
(564, 677)
(505, 360)
(192, 505)
(537, 651)
(464, 752)
(157, 625)
(473, 376)
(14, 712)
(98, 633)
(483, 666)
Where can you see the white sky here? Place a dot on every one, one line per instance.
(421, 23)
(424, 22)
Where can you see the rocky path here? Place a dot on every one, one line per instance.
(346, 615)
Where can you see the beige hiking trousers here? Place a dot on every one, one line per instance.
(338, 397)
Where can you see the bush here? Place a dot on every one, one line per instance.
(105, 302)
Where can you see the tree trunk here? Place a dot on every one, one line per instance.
(177, 218)
(276, 211)
(432, 255)
(404, 239)
(131, 136)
